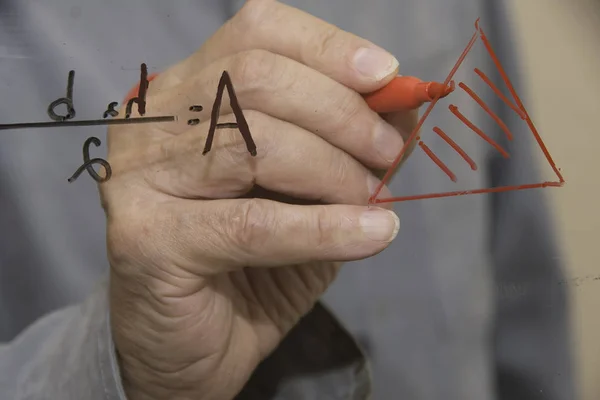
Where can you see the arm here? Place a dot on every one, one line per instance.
(532, 344)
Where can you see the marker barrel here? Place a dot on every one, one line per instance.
(404, 93)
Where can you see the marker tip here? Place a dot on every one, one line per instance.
(436, 89)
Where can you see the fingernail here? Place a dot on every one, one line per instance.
(379, 224)
(374, 63)
(388, 141)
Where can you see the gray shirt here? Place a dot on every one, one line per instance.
(463, 305)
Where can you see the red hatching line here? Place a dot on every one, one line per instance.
(478, 131)
(456, 147)
(415, 131)
(468, 192)
(512, 91)
(499, 93)
(487, 109)
(439, 162)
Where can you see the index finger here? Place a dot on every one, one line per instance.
(270, 25)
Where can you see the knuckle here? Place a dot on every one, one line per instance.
(127, 225)
(325, 41)
(254, 69)
(348, 111)
(339, 169)
(234, 150)
(252, 14)
(258, 123)
(251, 224)
(323, 227)
(123, 239)
(254, 118)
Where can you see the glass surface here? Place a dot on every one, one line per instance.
(78, 57)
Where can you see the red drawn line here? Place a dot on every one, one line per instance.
(439, 162)
(519, 102)
(468, 192)
(478, 100)
(456, 147)
(499, 93)
(478, 131)
(520, 111)
(415, 131)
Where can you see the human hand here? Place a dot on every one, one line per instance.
(207, 279)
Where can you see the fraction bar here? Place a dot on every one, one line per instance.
(97, 122)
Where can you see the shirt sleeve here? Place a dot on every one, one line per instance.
(532, 342)
(69, 355)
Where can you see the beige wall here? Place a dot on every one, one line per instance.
(560, 43)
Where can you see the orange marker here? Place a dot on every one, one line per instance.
(406, 93)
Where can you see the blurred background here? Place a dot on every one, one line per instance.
(560, 49)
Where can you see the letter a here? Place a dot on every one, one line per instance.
(240, 124)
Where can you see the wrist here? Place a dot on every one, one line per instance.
(149, 349)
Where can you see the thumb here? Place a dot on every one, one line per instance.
(236, 233)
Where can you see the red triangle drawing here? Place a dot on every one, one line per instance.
(516, 105)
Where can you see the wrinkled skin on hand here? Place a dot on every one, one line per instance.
(215, 258)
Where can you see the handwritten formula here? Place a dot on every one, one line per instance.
(67, 120)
